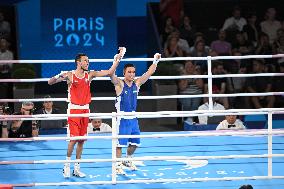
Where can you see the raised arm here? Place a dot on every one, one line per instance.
(60, 77)
(141, 80)
(112, 69)
(118, 83)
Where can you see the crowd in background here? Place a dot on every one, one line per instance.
(239, 35)
(5, 54)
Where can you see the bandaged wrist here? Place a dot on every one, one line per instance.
(123, 51)
(156, 61)
(115, 57)
(60, 75)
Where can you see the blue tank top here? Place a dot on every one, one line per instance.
(127, 100)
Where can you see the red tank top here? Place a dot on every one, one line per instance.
(79, 90)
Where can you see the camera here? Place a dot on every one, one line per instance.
(4, 110)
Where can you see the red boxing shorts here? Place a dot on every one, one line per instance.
(78, 125)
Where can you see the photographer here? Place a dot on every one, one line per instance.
(4, 110)
(20, 128)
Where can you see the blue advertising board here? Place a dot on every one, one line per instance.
(71, 27)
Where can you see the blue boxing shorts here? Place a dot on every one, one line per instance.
(128, 127)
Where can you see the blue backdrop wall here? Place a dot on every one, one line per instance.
(51, 29)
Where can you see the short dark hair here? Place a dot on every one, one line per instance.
(78, 57)
(246, 187)
(127, 66)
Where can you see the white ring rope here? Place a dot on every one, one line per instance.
(192, 134)
(152, 158)
(147, 114)
(150, 97)
(154, 77)
(144, 59)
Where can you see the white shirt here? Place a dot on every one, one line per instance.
(270, 28)
(224, 125)
(6, 55)
(104, 128)
(232, 21)
(205, 106)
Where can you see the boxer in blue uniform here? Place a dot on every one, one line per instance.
(126, 101)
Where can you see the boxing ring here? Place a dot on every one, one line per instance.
(203, 159)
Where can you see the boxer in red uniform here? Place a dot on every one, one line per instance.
(79, 97)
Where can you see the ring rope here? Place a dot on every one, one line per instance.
(150, 97)
(149, 181)
(153, 158)
(192, 134)
(146, 114)
(155, 77)
(151, 114)
(144, 59)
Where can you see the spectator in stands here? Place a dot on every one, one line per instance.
(5, 54)
(234, 24)
(173, 9)
(279, 87)
(231, 123)
(270, 25)
(22, 129)
(263, 46)
(199, 37)
(97, 125)
(172, 48)
(279, 48)
(191, 86)
(242, 45)
(252, 30)
(47, 107)
(260, 85)
(187, 30)
(246, 187)
(199, 50)
(5, 69)
(5, 28)
(216, 106)
(182, 43)
(168, 28)
(277, 43)
(221, 46)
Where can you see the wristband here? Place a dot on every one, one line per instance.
(123, 51)
(60, 75)
(156, 61)
(115, 58)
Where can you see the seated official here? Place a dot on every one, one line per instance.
(97, 125)
(231, 123)
(216, 106)
(20, 128)
(47, 108)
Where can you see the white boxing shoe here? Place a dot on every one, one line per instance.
(77, 172)
(130, 164)
(119, 169)
(66, 170)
